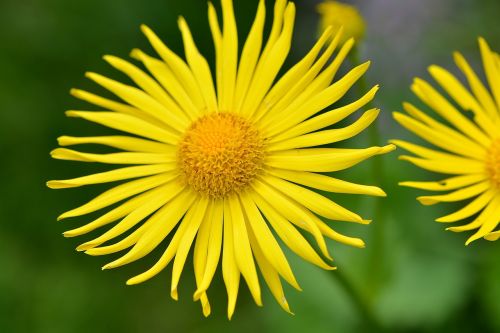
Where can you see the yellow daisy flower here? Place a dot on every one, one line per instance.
(223, 167)
(339, 15)
(468, 144)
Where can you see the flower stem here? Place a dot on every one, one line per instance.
(359, 300)
(379, 216)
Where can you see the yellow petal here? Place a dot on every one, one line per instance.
(313, 201)
(269, 273)
(491, 70)
(129, 124)
(266, 241)
(292, 211)
(481, 93)
(327, 136)
(326, 119)
(323, 159)
(111, 176)
(181, 71)
(146, 83)
(213, 248)
(157, 198)
(113, 158)
(199, 67)
(288, 234)
(440, 139)
(297, 112)
(128, 143)
(448, 166)
(193, 221)
(230, 271)
(119, 193)
(114, 106)
(249, 56)
(242, 249)
(164, 75)
(157, 228)
(138, 98)
(446, 110)
(325, 183)
(458, 195)
(447, 184)
(268, 68)
(489, 220)
(470, 209)
(117, 213)
(298, 83)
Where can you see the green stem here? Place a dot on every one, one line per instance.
(359, 300)
(379, 216)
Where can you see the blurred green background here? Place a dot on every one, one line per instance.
(422, 280)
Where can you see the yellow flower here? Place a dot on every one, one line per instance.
(222, 167)
(340, 15)
(468, 145)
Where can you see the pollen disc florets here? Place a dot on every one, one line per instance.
(220, 153)
(493, 162)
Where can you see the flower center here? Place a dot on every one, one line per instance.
(493, 162)
(220, 153)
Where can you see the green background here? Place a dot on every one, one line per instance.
(423, 279)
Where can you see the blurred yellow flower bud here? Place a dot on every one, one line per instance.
(337, 15)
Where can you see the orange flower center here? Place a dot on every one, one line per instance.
(493, 162)
(220, 153)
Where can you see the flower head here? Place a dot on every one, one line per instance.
(467, 143)
(339, 15)
(222, 166)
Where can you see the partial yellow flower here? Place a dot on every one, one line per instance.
(339, 15)
(222, 167)
(467, 142)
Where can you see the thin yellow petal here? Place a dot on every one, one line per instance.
(287, 232)
(199, 67)
(164, 75)
(269, 273)
(138, 98)
(146, 83)
(158, 227)
(268, 68)
(458, 195)
(325, 183)
(447, 184)
(119, 193)
(176, 64)
(111, 176)
(491, 70)
(323, 159)
(470, 209)
(328, 118)
(297, 113)
(113, 158)
(292, 211)
(313, 201)
(113, 106)
(194, 221)
(230, 271)
(213, 248)
(489, 220)
(128, 143)
(327, 136)
(447, 166)
(127, 124)
(446, 110)
(439, 139)
(266, 241)
(250, 56)
(242, 249)
(157, 198)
